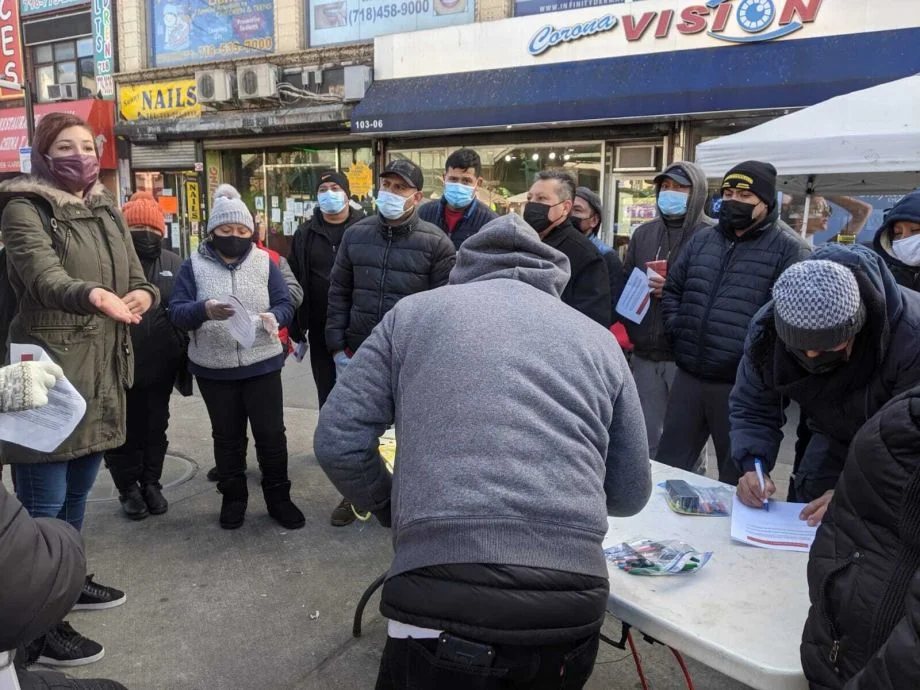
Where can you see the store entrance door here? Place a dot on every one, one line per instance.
(179, 196)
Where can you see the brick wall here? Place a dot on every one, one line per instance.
(289, 26)
(131, 16)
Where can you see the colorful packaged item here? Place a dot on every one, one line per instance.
(650, 557)
(688, 499)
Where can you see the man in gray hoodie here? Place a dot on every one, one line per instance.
(680, 194)
(519, 431)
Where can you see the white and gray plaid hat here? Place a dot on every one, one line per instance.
(817, 305)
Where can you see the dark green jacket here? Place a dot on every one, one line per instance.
(53, 276)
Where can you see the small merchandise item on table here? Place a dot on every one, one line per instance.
(650, 557)
(690, 499)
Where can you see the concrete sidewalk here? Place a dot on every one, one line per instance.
(262, 607)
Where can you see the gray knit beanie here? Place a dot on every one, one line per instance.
(817, 306)
(228, 208)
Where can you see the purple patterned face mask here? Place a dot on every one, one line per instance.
(76, 172)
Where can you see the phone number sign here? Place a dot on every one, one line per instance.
(348, 21)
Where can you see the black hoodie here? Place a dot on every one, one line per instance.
(907, 208)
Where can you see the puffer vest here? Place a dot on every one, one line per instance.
(212, 346)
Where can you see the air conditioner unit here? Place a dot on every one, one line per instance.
(214, 86)
(639, 157)
(62, 92)
(357, 79)
(257, 81)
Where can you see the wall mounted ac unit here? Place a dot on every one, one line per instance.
(635, 157)
(357, 79)
(214, 86)
(62, 92)
(257, 81)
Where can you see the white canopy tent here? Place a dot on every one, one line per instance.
(865, 142)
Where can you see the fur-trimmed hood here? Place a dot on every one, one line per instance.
(26, 185)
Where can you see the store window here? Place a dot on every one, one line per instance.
(279, 185)
(634, 166)
(510, 170)
(64, 70)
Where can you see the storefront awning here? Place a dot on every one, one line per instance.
(98, 113)
(781, 74)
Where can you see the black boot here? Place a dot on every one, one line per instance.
(154, 498)
(280, 507)
(235, 499)
(132, 502)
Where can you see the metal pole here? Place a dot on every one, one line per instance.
(30, 110)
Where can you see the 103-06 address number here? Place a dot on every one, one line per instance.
(367, 124)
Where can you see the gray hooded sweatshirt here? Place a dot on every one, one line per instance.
(659, 239)
(518, 424)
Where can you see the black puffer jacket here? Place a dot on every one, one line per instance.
(159, 347)
(885, 361)
(498, 604)
(907, 208)
(715, 287)
(376, 266)
(588, 289)
(863, 629)
(312, 257)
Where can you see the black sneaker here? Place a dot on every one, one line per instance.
(95, 596)
(64, 646)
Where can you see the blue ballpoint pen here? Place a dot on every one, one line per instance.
(758, 467)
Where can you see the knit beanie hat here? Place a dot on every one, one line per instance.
(143, 209)
(756, 177)
(817, 305)
(333, 176)
(229, 208)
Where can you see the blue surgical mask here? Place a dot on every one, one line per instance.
(332, 202)
(673, 203)
(458, 195)
(391, 206)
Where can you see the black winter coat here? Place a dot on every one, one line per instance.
(885, 362)
(588, 290)
(715, 287)
(311, 259)
(498, 604)
(159, 347)
(863, 629)
(376, 266)
(477, 215)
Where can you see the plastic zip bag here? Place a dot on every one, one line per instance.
(689, 499)
(650, 557)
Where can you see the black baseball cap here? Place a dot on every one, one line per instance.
(407, 170)
(676, 173)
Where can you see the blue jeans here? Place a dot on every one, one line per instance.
(57, 489)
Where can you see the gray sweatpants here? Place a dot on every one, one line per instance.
(697, 409)
(654, 381)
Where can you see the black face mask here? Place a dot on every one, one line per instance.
(231, 246)
(536, 215)
(824, 363)
(736, 215)
(148, 245)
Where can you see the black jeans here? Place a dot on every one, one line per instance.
(697, 409)
(231, 404)
(140, 458)
(417, 665)
(322, 364)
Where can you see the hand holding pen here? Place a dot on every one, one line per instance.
(755, 488)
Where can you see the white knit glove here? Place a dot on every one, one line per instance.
(25, 385)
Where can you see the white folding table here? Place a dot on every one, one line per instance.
(742, 614)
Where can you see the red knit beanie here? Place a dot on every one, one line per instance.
(143, 209)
